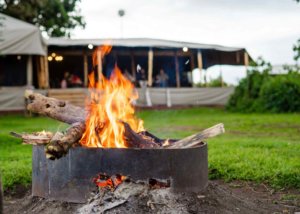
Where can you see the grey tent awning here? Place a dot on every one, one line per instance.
(18, 37)
(211, 54)
(137, 42)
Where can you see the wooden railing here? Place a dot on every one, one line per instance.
(75, 96)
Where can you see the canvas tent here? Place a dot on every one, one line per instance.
(23, 52)
(18, 37)
(22, 61)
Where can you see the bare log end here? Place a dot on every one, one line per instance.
(195, 139)
(29, 94)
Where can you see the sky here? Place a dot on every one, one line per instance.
(266, 28)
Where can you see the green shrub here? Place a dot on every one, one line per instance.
(260, 91)
(247, 92)
(217, 82)
(281, 94)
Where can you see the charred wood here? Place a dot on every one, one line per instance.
(59, 147)
(135, 140)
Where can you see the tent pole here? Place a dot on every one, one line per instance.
(192, 63)
(177, 71)
(45, 71)
(99, 62)
(150, 66)
(246, 61)
(29, 70)
(85, 70)
(200, 63)
(46, 80)
(41, 71)
(133, 70)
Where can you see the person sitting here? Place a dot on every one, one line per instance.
(142, 78)
(75, 81)
(162, 79)
(66, 80)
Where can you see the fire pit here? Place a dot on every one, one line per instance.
(70, 178)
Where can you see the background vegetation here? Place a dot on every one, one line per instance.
(55, 17)
(262, 91)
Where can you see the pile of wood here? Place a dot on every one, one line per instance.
(59, 143)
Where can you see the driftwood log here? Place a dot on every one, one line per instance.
(195, 139)
(61, 111)
(36, 138)
(57, 109)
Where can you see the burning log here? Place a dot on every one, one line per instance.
(60, 146)
(62, 111)
(195, 139)
(135, 140)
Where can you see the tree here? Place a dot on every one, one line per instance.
(56, 17)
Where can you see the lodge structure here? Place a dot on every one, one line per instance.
(29, 61)
(176, 58)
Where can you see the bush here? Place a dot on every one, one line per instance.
(281, 94)
(217, 82)
(247, 92)
(260, 91)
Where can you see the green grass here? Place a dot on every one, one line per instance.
(256, 147)
(15, 158)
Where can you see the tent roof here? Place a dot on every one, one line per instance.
(212, 54)
(138, 42)
(18, 37)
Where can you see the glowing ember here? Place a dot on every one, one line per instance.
(111, 182)
(110, 104)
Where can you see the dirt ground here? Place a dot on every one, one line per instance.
(218, 197)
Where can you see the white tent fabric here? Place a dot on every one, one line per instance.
(18, 37)
(12, 98)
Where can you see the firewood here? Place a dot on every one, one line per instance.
(36, 138)
(64, 112)
(195, 139)
(135, 140)
(54, 108)
(151, 137)
(68, 113)
(60, 110)
(59, 147)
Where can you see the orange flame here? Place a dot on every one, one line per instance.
(110, 104)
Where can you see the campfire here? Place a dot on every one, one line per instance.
(108, 126)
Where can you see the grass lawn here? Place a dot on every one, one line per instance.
(256, 147)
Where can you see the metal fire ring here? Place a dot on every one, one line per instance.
(70, 178)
